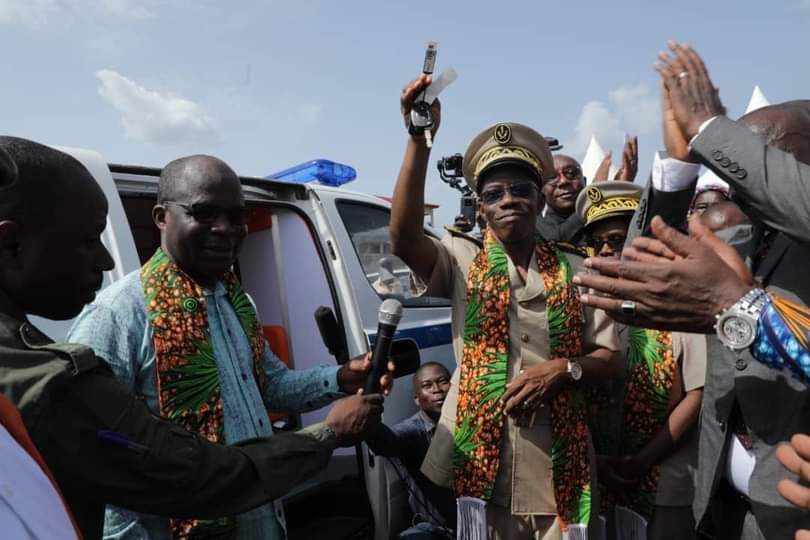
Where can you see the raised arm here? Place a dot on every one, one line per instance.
(408, 239)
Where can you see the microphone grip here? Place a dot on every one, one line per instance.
(379, 358)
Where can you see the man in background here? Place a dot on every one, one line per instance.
(409, 442)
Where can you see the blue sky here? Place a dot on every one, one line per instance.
(265, 85)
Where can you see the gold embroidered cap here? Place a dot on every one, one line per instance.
(604, 200)
(507, 142)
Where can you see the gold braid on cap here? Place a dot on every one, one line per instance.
(614, 205)
(499, 153)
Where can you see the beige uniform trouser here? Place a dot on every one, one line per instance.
(505, 526)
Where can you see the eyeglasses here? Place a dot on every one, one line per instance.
(614, 241)
(519, 191)
(570, 172)
(207, 214)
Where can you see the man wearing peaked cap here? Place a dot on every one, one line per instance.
(506, 292)
(606, 209)
(503, 143)
(649, 458)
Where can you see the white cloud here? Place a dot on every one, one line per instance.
(29, 12)
(632, 109)
(150, 116)
(62, 13)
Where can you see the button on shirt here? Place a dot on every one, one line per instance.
(116, 327)
(523, 481)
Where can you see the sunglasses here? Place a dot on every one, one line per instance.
(207, 214)
(518, 191)
(614, 241)
(570, 172)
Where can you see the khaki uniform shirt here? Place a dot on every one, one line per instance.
(676, 483)
(524, 481)
(103, 446)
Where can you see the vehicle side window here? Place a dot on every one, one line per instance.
(368, 227)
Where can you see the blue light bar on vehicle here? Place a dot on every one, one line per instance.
(322, 171)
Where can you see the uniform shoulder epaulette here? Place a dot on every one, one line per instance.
(459, 234)
(571, 248)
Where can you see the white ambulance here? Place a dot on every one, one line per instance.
(308, 245)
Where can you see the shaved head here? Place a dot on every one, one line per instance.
(175, 177)
(52, 216)
(785, 126)
(40, 184)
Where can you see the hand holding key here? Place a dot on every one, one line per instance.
(420, 125)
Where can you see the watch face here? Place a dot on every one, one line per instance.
(576, 371)
(738, 332)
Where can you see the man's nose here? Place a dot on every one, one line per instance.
(606, 250)
(222, 224)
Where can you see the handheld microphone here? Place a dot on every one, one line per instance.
(331, 334)
(390, 314)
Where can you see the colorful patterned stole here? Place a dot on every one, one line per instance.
(187, 374)
(651, 369)
(484, 369)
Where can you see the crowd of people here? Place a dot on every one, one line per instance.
(631, 362)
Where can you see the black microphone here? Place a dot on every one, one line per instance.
(331, 334)
(390, 314)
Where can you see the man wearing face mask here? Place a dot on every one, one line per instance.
(526, 351)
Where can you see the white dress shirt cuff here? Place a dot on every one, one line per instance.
(700, 129)
(670, 174)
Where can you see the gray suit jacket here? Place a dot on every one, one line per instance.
(773, 189)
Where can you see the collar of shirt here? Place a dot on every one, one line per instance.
(430, 425)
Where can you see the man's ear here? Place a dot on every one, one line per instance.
(416, 401)
(159, 216)
(11, 243)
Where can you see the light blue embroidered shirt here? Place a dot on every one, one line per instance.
(116, 327)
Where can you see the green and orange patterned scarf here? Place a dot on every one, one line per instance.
(650, 376)
(484, 364)
(187, 375)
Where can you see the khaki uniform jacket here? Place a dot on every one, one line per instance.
(523, 482)
(68, 400)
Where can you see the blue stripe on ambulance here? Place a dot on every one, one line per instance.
(425, 336)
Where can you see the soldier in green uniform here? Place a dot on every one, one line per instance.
(101, 443)
(512, 439)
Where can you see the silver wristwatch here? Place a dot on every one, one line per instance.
(574, 370)
(737, 326)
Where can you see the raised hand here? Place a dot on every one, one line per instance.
(682, 288)
(627, 172)
(693, 97)
(411, 93)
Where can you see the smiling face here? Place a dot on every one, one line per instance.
(513, 215)
(202, 219)
(561, 192)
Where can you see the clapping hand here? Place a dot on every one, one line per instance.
(692, 96)
(677, 282)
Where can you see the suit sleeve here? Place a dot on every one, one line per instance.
(672, 206)
(157, 467)
(770, 185)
